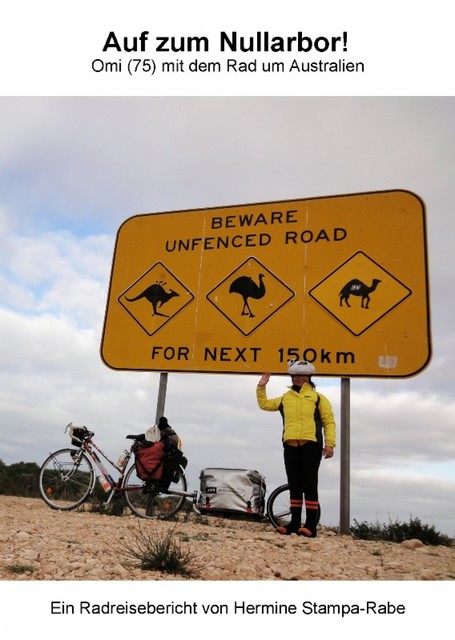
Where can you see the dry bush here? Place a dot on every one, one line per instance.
(155, 550)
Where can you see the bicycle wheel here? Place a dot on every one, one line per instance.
(66, 479)
(152, 500)
(279, 507)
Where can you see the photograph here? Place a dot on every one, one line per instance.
(133, 292)
(226, 314)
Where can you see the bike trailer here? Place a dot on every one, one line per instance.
(232, 493)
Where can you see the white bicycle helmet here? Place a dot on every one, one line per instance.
(153, 434)
(300, 368)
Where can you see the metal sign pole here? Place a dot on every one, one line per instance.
(345, 427)
(161, 397)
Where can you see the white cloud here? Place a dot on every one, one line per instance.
(56, 272)
(403, 426)
(388, 495)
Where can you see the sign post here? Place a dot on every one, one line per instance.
(345, 455)
(162, 388)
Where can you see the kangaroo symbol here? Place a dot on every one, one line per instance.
(357, 288)
(157, 296)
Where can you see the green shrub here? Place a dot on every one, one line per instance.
(400, 531)
(151, 549)
(20, 567)
(115, 508)
(19, 479)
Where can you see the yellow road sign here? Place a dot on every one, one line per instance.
(341, 281)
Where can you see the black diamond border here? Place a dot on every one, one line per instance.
(265, 319)
(143, 276)
(377, 319)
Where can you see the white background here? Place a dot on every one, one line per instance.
(47, 48)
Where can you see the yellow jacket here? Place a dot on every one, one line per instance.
(297, 410)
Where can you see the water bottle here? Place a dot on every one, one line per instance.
(122, 459)
(104, 483)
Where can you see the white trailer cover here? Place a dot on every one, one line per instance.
(232, 493)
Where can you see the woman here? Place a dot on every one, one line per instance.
(308, 434)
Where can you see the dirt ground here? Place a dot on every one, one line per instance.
(38, 543)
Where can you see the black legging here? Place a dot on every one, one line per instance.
(302, 467)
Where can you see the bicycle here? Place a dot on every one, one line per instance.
(278, 507)
(67, 479)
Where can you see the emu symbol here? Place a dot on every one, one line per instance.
(157, 296)
(247, 288)
(357, 288)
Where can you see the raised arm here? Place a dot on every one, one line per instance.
(264, 379)
(261, 395)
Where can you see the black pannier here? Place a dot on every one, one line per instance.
(77, 436)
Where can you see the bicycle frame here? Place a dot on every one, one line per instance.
(91, 448)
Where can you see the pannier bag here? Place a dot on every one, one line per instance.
(234, 493)
(149, 460)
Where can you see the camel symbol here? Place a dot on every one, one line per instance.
(247, 288)
(357, 288)
(157, 296)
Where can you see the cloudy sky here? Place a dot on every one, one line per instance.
(74, 169)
